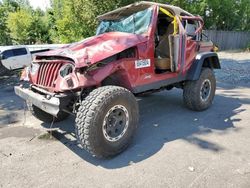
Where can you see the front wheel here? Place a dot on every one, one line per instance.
(106, 121)
(198, 95)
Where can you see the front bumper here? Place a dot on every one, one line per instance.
(50, 104)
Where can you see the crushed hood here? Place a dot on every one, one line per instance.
(97, 48)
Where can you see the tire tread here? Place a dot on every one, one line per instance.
(85, 117)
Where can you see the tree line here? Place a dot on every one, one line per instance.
(69, 21)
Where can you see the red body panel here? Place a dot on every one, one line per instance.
(191, 52)
(97, 48)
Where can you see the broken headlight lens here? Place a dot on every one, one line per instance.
(66, 70)
(34, 67)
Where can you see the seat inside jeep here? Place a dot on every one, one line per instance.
(165, 28)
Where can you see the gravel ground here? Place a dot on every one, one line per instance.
(205, 149)
(235, 68)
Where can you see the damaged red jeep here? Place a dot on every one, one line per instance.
(138, 49)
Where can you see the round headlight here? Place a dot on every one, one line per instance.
(66, 70)
(34, 67)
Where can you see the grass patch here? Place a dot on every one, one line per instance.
(46, 136)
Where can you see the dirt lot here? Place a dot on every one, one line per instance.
(174, 146)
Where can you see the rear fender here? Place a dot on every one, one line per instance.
(206, 59)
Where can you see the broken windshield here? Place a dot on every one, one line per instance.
(137, 23)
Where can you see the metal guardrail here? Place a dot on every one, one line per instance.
(39, 47)
(44, 47)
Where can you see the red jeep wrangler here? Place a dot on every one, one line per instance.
(141, 48)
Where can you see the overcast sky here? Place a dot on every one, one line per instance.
(43, 4)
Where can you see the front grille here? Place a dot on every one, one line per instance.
(48, 73)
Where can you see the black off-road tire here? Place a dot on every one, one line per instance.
(44, 116)
(90, 120)
(192, 91)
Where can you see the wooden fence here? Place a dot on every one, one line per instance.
(229, 40)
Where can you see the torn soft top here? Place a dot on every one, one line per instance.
(140, 6)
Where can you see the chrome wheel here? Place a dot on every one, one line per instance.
(205, 90)
(115, 123)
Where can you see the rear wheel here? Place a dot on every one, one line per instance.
(44, 116)
(106, 121)
(198, 95)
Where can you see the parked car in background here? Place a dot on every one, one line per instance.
(14, 57)
(17, 57)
